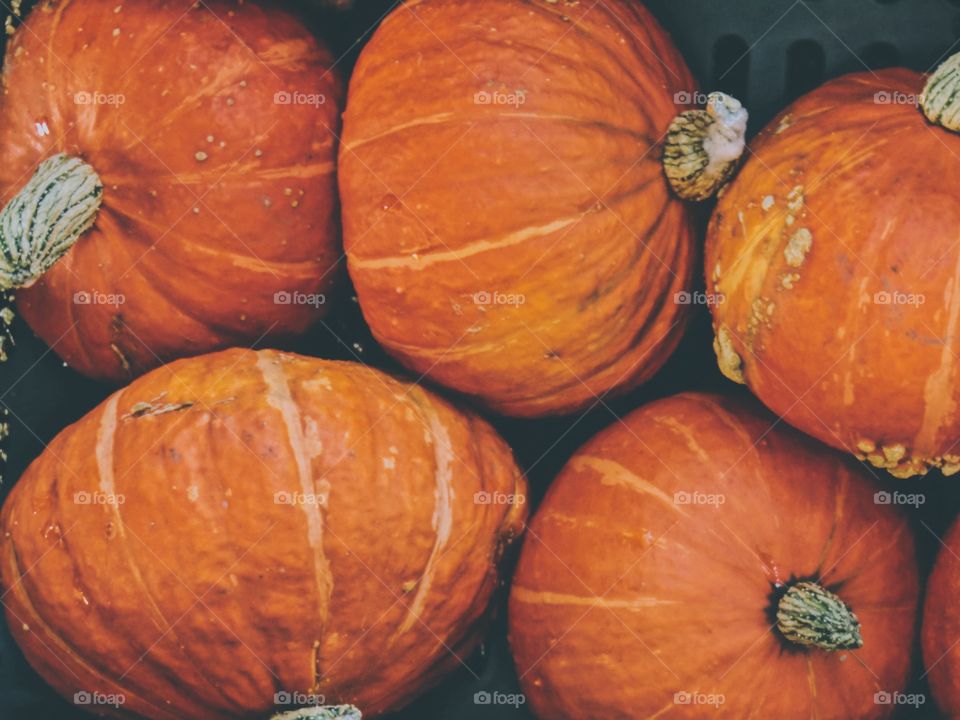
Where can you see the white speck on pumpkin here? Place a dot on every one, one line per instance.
(789, 279)
(200, 155)
(767, 202)
(785, 122)
(797, 247)
(116, 32)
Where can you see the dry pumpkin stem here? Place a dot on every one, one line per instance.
(323, 712)
(703, 147)
(940, 100)
(810, 615)
(56, 206)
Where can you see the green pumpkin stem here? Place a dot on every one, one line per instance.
(321, 712)
(45, 218)
(812, 616)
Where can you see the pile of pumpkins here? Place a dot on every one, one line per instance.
(514, 183)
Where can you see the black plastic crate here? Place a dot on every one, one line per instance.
(764, 52)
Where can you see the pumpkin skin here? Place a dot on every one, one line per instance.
(842, 219)
(526, 254)
(285, 590)
(679, 600)
(941, 626)
(196, 248)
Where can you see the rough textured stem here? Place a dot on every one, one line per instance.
(703, 147)
(812, 616)
(322, 712)
(940, 100)
(56, 206)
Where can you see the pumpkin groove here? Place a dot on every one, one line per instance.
(280, 597)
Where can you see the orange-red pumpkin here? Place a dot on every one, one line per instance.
(241, 524)
(696, 557)
(211, 129)
(941, 626)
(835, 254)
(507, 223)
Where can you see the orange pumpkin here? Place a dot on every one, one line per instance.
(229, 527)
(200, 140)
(941, 626)
(696, 557)
(834, 251)
(507, 223)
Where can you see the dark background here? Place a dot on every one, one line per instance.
(764, 52)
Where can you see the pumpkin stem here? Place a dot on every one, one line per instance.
(940, 100)
(703, 147)
(811, 615)
(321, 712)
(42, 221)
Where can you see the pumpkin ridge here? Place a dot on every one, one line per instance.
(664, 344)
(190, 103)
(51, 103)
(280, 398)
(504, 240)
(613, 473)
(154, 280)
(35, 620)
(839, 497)
(609, 82)
(443, 508)
(940, 384)
(104, 452)
(254, 170)
(441, 118)
(250, 262)
(543, 597)
(599, 44)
